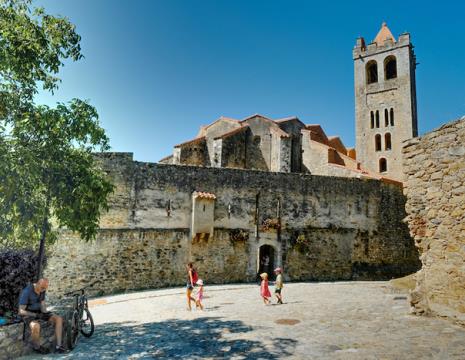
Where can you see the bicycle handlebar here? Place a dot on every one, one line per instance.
(80, 291)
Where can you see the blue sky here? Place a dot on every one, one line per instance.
(159, 69)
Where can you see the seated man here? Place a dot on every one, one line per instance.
(32, 308)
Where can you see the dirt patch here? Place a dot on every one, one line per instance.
(287, 321)
(93, 303)
(406, 283)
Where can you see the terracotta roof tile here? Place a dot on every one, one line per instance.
(336, 142)
(204, 195)
(317, 133)
(383, 35)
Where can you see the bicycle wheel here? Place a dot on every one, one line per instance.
(72, 330)
(87, 323)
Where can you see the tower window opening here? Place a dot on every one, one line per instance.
(377, 119)
(387, 141)
(390, 67)
(372, 115)
(392, 116)
(386, 117)
(377, 142)
(372, 72)
(382, 165)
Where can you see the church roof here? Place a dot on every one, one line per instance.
(204, 128)
(383, 35)
(190, 142)
(232, 132)
(336, 142)
(317, 133)
(255, 115)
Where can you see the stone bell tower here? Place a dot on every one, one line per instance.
(385, 101)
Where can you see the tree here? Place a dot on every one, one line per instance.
(48, 173)
(33, 46)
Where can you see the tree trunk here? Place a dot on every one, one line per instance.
(43, 236)
(41, 248)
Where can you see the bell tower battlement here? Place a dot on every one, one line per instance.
(385, 101)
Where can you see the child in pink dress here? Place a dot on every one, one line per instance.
(198, 300)
(264, 290)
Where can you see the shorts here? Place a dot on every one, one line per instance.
(43, 316)
(277, 291)
(189, 286)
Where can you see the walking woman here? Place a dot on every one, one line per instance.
(192, 278)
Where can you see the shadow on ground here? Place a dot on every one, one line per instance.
(206, 337)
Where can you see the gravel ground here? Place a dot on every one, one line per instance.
(342, 320)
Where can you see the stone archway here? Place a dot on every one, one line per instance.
(266, 260)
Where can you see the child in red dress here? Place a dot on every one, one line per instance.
(264, 290)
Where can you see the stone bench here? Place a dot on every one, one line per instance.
(13, 345)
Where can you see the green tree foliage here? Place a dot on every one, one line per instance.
(33, 46)
(48, 173)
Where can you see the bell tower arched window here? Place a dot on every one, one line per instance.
(387, 141)
(390, 67)
(386, 117)
(372, 118)
(382, 165)
(392, 116)
(372, 72)
(377, 119)
(377, 142)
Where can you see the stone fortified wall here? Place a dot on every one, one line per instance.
(435, 166)
(318, 228)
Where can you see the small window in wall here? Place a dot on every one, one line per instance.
(387, 141)
(377, 119)
(390, 67)
(382, 165)
(372, 72)
(377, 142)
(372, 116)
(392, 116)
(386, 117)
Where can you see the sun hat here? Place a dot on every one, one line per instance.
(278, 269)
(264, 275)
(199, 282)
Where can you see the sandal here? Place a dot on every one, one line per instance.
(60, 349)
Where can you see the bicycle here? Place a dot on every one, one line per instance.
(81, 320)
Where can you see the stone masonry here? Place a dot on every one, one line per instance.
(435, 189)
(316, 227)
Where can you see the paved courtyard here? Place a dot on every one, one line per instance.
(343, 320)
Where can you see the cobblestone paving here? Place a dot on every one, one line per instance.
(344, 320)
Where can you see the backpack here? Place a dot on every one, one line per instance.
(195, 276)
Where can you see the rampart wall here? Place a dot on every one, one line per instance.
(435, 189)
(319, 228)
